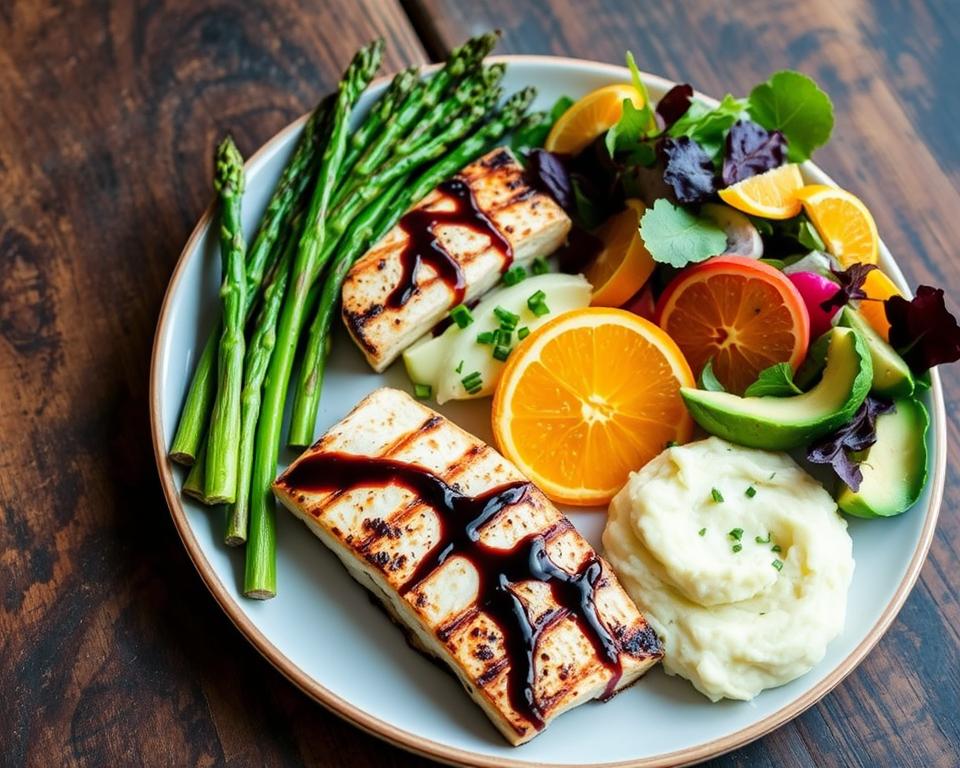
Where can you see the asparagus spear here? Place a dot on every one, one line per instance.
(220, 481)
(255, 370)
(307, 399)
(424, 97)
(193, 484)
(260, 573)
(289, 190)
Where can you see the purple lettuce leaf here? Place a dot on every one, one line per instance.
(674, 104)
(839, 448)
(851, 285)
(688, 170)
(922, 330)
(750, 150)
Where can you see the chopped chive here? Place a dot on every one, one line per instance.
(702, 532)
(523, 332)
(751, 492)
(501, 353)
(736, 534)
(537, 304)
(461, 315)
(472, 381)
(422, 391)
(737, 547)
(539, 266)
(778, 564)
(459, 368)
(671, 444)
(776, 548)
(474, 390)
(516, 274)
(763, 541)
(508, 320)
(503, 337)
(773, 475)
(487, 337)
(717, 496)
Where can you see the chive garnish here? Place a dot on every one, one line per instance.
(539, 266)
(461, 315)
(751, 492)
(717, 496)
(778, 564)
(773, 475)
(523, 332)
(487, 337)
(501, 353)
(537, 304)
(737, 547)
(459, 368)
(422, 391)
(508, 320)
(702, 532)
(472, 382)
(763, 541)
(670, 444)
(736, 534)
(776, 548)
(503, 337)
(516, 274)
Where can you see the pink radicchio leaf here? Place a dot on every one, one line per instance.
(851, 282)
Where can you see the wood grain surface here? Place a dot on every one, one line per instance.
(111, 651)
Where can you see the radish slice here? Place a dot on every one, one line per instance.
(815, 289)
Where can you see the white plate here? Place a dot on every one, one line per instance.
(323, 633)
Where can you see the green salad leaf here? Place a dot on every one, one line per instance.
(536, 135)
(628, 136)
(709, 380)
(708, 127)
(775, 381)
(793, 103)
(675, 236)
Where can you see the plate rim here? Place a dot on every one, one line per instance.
(436, 750)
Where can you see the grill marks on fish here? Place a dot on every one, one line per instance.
(450, 249)
(522, 676)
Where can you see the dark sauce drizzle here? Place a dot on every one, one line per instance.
(461, 519)
(423, 247)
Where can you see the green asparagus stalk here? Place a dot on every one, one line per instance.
(424, 98)
(290, 188)
(255, 370)
(193, 484)
(220, 481)
(307, 398)
(260, 575)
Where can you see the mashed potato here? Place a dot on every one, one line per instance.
(745, 587)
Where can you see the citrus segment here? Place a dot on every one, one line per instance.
(588, 398)
(740, 314)
(843, 222)
(624, 264)
(595, 113)
(771, 195)
(878, 288)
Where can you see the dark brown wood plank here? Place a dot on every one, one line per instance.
(111, 650)
(891, 68)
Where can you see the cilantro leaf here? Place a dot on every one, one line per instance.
(629, 135)
(851, 285)
(839, 449)
(674, 104)
(751, 150)
(793, 103)
(536, 135)
(708, 127)
(677, 237)
(709, 380)
(689, 170)
(922, 330)
(775, 381)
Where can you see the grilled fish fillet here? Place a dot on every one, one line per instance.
(384, 533)
(532, 223)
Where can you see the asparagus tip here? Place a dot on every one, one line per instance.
(228, 176)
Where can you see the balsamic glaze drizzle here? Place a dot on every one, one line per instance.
(461, 520)
(423, 246)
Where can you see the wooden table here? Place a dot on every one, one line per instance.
(111, 650)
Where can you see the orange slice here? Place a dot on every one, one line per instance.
(595, 113)
(624, 264)
(878, 288)
(587, 398)
(738, 313)
(771, 195)
(844, 223)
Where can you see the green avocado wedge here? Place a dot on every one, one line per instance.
(895, 467)
(781, 423)
(891, 374)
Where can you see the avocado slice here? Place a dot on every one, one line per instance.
(895, 467)
(780, 423)
(891, 374)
